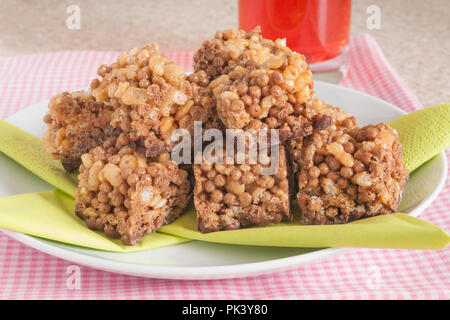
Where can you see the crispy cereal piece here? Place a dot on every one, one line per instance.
(230, 196)
(347, 175)
(126, 195)
(76, 124)
(151, 97)
(249, 99)
(324, 117)
(284, 68)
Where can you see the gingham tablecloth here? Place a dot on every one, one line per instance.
(26, 273)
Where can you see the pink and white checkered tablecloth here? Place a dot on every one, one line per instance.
(26, 273)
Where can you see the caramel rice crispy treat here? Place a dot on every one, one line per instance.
(325, 117)
(249, 99)
(231, 48)
(230, 196)
(126, 195)
(350, 174)
(257, 82)
(142, 94)
(76, 124)
(151, 97)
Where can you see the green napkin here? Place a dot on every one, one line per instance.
(28, 150)
(423, 134)
(57, 221)
(388, 231)
(51, 215)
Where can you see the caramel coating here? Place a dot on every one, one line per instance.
(238, 195)
(126, 195)
(347, 183)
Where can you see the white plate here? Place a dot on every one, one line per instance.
(202, 260)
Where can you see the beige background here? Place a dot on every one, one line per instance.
(414, 35)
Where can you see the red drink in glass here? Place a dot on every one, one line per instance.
(318, 29)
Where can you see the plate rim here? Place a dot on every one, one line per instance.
(176, 272)
(210, 272)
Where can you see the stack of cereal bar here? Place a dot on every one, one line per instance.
(119, 135)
